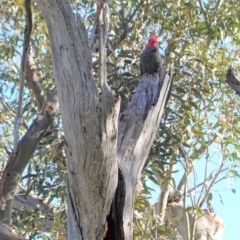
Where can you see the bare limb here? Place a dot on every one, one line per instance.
(204, 12)
(34, 84)
(6, 232)
(103, 29)
(185, 207)
(203, 185)
(135, 139)
(209, 178)
(32, 202)
(22, 76)
(18, 161)
(211, 184)
(166, 189)
(201, 150)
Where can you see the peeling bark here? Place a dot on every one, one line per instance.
(103, 150)
(90, 127)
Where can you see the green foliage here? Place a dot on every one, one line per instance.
(198, 42)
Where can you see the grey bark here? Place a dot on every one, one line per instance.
(137, 129)
(6, 232)
(33, 84)
(90, 128)
(18, 161)
(97, 143)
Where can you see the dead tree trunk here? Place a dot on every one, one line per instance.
(105, 151)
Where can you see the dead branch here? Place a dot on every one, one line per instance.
(26, 43)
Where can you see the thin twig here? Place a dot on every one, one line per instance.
(205, 178)
(102, 36)
(204, 12)
(211, 184)
(11, 111)
(26, 43)
(186, 212)
(209, 178)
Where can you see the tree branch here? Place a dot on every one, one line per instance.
(201, 150)
(6, 232)
(166, 190)
(211, 184)
(204, 12)
(18, 161)
(33, 202)
(35, 86)
(211, 177)
(186, 216)
(137, 129)
(22, 76)
(90, 125)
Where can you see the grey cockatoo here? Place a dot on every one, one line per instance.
(150, 61)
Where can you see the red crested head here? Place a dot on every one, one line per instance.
(152, 41)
